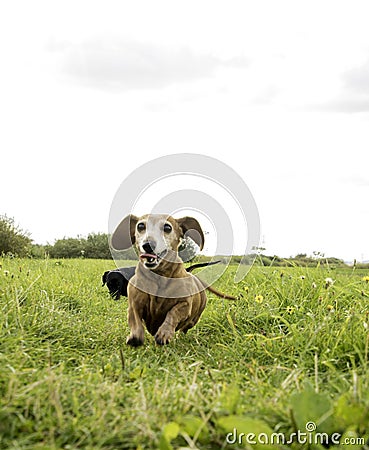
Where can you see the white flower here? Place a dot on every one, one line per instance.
(328, 282)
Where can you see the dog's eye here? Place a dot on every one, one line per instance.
(167, 228)
(141, 227)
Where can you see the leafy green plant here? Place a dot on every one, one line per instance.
(13, 240)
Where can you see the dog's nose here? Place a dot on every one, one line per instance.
(149, 247)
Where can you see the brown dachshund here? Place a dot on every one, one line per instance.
(161, 293)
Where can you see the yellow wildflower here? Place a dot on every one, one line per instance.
(259, 299)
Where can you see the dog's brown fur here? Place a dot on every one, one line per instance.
(153, 293)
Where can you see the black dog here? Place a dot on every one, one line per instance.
(117, 280)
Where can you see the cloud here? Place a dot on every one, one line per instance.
(267, 95)
(343, 104)
(359, 181)
(357, 80)
(354, 95)
(125, 65)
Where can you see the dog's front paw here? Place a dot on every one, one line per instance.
(163, 336)
(134, 341)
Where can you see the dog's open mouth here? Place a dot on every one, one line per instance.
(151, 260)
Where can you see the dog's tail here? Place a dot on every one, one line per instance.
(220, 294)
(210, 288)
(204, 264)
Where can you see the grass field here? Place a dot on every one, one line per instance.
(289, 355)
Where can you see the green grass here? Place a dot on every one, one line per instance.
(292, 349)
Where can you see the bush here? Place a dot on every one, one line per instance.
(97, 246)
(13, 240)
(67, 248)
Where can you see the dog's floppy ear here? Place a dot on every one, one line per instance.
(105, 277)
(192, 229)
(123, 236)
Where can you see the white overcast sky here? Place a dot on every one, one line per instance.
(278, 90)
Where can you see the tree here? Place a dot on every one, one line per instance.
(97, 246)
(13, 240)
(67, 248)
